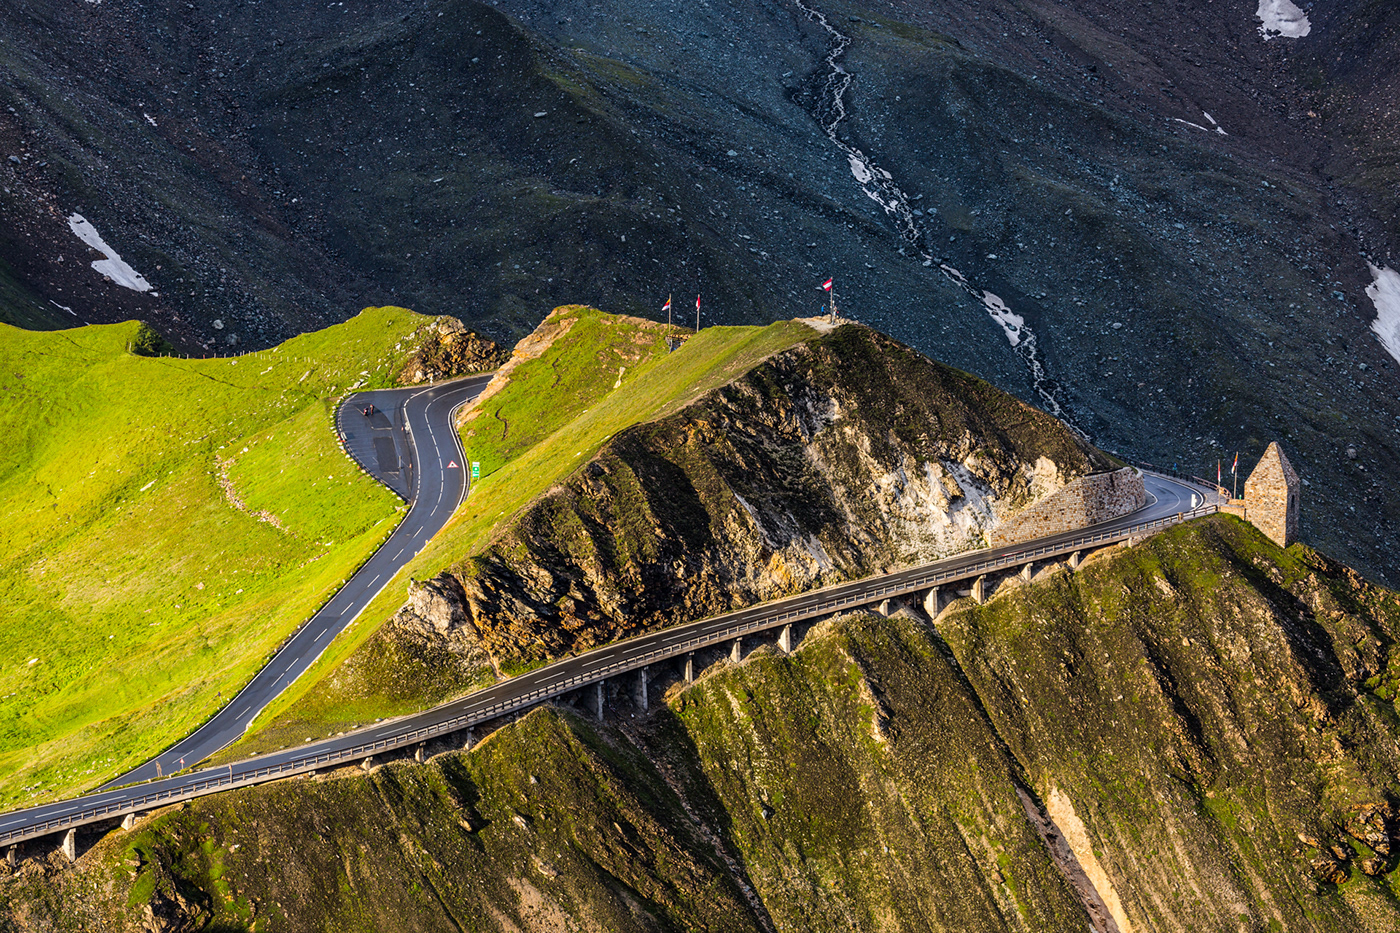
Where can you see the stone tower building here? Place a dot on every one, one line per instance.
(1271, 497)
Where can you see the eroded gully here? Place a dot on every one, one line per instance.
(880, 187)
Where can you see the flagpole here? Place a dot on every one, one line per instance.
(1235, 474)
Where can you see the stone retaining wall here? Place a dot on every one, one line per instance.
(1084, 502)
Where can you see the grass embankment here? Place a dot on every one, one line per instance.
(604, 374)
(138, 593)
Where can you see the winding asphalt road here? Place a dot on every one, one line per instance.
(1170, 501)
(423, 415)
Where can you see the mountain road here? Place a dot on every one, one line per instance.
(418, 422)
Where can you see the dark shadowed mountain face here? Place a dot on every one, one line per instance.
(1149, 218)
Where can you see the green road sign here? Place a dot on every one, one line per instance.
(476, 469)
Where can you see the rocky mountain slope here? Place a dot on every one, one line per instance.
(1195, 733)
(1161, 221)
(842, 455)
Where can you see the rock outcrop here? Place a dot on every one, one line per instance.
(840, 457)
(448, 349)
(427, 651)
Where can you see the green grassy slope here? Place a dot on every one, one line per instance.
(1209, 720)
(137, 595)
(489, 840)
(590, 403)
(1212, 707)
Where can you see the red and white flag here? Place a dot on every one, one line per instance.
(1236, 465)
(826, 286)
(697, 304)
(667, 305)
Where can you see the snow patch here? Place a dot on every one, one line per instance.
(1197, 126)
(1218, 128)
(860, 170)
(1282, 18)
(1385, 295)
(1010, 323)
(955, 275)
(113, 267)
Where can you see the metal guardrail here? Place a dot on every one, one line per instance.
(1184, 477)
(210, 781)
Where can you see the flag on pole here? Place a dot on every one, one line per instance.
(826, 286)
(1217, 473)
(1236, 465)
(667, 305)
(697, 304)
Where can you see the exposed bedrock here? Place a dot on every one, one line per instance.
(844, 456)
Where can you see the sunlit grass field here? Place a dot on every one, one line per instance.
(166, 523)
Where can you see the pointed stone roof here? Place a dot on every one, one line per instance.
(1273, 468)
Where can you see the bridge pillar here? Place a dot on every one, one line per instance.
(129, 820)
(470, 740)
(689, 668)
(367, 763)
(785, 639)
(736, 651)
(883, 608)
(418, 753)
(1074, 560)
(70, 845)
(599, 700)
(979, 590)
(931, 603)
(642, 689)
(12, 856)
(1026, 570)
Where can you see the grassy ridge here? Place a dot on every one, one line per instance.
(597, 404)
(167, 523)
